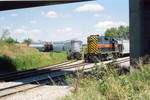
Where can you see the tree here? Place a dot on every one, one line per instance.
(5, 34)
(112, 32)
(10, 40)
(121, 32)
(27, 40)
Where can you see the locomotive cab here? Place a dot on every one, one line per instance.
(75, 51)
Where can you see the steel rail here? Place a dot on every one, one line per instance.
(32, 73)
(46, 79)
(16, 72)
(122, 61)
(39, 83)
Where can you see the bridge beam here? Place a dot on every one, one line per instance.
(11, 4)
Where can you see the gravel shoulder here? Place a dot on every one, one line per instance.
(42, 93)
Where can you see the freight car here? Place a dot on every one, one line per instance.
(42, 46)
(102, 48)
(72, 47)
(124, 47)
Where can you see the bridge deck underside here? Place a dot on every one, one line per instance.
(8, 5)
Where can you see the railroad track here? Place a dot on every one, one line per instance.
(48, 80)
(53, 65)
(33, 72)
(122, 61)
(27, 86)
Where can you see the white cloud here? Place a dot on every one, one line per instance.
(14, 15)
(24, 27)
(35, 31)
(24, 32)
(90, 8)
(108, 17)
(53, 14)
(2, 18)
(105, 16)
(102, 26)
(68, 29)
(42, 13)
(79, 34)
(20, 31)
(33, 22)
(97, 15)
(7, 26)
(64, 15)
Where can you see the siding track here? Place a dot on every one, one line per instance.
(50, 80)
(33, 72)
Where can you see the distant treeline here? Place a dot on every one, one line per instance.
(121, 32)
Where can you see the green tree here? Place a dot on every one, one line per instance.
(5, 34)
(121, 32)
(112, 32)
(27, 40)
(10, 40)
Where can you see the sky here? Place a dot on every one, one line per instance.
(65, 21)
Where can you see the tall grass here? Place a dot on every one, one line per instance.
(22, 58)
(106, 83)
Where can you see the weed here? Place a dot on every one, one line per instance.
(105, 82)
(14, 58)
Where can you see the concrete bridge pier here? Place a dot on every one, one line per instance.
(139, 29)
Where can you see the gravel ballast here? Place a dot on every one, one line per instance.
(46, 92)
(41, 93)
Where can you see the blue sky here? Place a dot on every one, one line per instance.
(65, 21)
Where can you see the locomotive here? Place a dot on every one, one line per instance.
(102, 48)
(72, 47)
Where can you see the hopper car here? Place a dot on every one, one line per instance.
(43, 47)
(103, 48)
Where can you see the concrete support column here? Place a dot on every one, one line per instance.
(136, 29)
(139, 29)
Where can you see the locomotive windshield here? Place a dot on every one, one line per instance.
(76, 46)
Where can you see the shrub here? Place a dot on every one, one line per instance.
(14, 58)
(106, 82)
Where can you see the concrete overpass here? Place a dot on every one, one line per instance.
(11, 4)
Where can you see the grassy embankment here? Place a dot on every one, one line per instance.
(22, 58)
(106, 83)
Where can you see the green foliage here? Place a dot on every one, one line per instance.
(22, 58)
(84, 45)
(121, 32)
(5, 34)
(27, 40)
(11, 40)
(105, 83)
